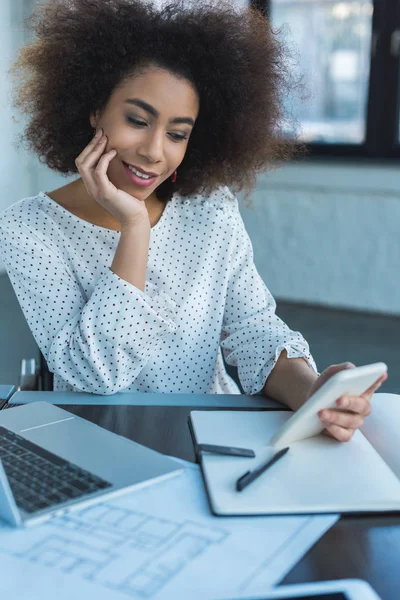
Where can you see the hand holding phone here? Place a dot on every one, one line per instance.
(306, 423)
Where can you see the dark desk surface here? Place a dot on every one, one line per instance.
(356, 547)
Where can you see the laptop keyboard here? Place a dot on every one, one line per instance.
(40, 479)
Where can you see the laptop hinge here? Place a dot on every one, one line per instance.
(8, 508)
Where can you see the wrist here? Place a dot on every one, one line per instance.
(290, 381)
(141, 224)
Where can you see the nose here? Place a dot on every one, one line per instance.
(152, 146)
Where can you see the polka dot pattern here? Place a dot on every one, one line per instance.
(101, 334)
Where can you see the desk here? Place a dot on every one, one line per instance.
(364, 547)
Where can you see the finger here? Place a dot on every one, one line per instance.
(375, 386)
(87, 167)
(100, 171)
(356, 404)
(340, 433)
(91, 159)
(341, 418)
(339, 367)
(87, 149)
(333, 369)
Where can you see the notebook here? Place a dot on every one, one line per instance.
(317, 475)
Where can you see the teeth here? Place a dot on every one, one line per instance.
(138, 173)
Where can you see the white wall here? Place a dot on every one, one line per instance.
(328, 233)
(21, 172)
(14, 182)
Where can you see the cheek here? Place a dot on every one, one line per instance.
(177, 156)
(115, 171)
(120, 136)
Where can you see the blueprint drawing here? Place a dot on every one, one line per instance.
(157, 543)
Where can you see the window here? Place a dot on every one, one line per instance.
(349, 56)
(334, 41)
(398, 114)
(395, 52)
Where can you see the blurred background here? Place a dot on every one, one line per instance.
(325, 229)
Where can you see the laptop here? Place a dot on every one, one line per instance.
(52, 462)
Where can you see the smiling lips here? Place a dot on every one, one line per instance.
(137, 179)
(142, 170)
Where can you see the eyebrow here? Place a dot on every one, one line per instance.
(150, 109)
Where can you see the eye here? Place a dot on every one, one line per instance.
(136, 122)
(175, 136)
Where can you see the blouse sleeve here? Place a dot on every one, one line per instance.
(99, 344)
(253, 336)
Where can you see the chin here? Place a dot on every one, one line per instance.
(141, 194)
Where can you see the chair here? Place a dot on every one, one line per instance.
(35, 376)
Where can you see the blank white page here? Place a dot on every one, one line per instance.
(382, 428)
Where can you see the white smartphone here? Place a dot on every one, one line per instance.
(305, 422)
(342, 589)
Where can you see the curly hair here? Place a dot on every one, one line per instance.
(84, 49)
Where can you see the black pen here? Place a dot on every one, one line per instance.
(250, 476)
(225, 450)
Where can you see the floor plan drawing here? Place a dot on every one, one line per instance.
(157, 543)
(108, 544)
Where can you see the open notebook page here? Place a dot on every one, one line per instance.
(382, 429)
(317, 475)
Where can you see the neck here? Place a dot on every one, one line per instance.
(153, 205)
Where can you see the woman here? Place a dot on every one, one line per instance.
(140, 273)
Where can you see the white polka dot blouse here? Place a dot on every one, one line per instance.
(203, 297)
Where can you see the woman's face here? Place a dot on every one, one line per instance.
(148, 121)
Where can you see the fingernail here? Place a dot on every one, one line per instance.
(343, 402)
(98, 133)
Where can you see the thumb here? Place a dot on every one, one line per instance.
(330, 371)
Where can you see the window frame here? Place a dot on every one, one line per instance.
(383, 95)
